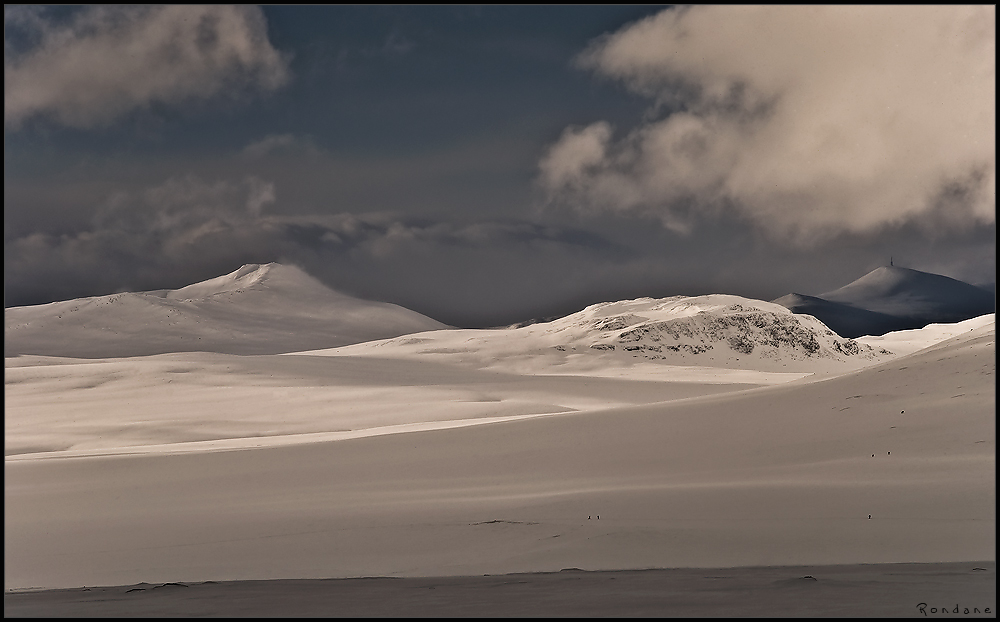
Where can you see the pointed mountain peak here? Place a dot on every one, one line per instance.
(239, 279)
(273, 276)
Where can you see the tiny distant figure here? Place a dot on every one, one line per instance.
(598, 517)
(873, 455)
(588, 518)
(890, 260)
(869, 517)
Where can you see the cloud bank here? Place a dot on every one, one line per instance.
(103, 62)
(809, 121)
(188, 228)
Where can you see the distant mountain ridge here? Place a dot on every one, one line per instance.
(257, 309)
(892, 298)
(273, 308)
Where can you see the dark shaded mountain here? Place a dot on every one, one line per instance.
(910, 293)
(892, 298)
(845, 320)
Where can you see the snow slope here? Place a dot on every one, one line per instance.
(258, 309)
(703, 431)
(909, 341)
(894, 462)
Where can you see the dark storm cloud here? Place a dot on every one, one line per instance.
(401, 162)
(164, 235)
(106, 61)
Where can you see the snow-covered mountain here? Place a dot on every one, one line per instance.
(891, 298)
(717, 330)
(273, 308)
(258, 309)
(907, 293)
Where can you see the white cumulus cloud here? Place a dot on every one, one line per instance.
(106, 61)
(808, 120)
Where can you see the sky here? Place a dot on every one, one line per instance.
(489, 165)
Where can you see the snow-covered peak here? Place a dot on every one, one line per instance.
(257, 309)
(903, 292)
(240, 279)
(667, 308)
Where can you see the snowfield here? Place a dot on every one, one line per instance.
(707, 431)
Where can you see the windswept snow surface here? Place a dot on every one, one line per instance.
(704, 431)
(888, 463)
(258, 309)
(193, 402)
